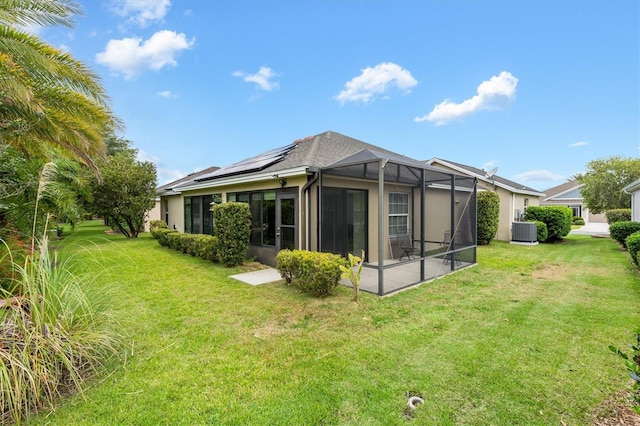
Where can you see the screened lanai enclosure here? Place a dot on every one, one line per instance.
(413, 222)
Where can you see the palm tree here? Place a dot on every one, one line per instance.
(50, 103)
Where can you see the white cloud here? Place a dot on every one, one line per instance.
(169, 175)
(142, 12)
(581, 143)
(538, 176)
(145, 156)
(376, 81)
(490, 165)
(264, 78)
(167, 94)
(489, 95)
(131, 56)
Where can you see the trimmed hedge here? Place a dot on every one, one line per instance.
(232, 227)
(314, 272)
(577, 220)
(488, 206)
(157, 224)
(557, 218)
(161, 234)
(633, 245)
(617, 215)
(541, 231)
(206, 247)
(619, 231)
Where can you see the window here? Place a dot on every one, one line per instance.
(263, 215)
(198, 218)
(165, 209)
(398, 213)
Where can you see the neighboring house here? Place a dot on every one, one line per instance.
(333, 193)
(634, 189)
(153, 214)
(568, 194)
(514, 197)
(172, 201)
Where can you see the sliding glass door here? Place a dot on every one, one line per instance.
(344, 221)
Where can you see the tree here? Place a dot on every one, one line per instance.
(603, 181)
(488, 216)
(50, 103)
(126, 193)
(54, 186)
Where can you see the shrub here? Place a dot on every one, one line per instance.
(314, 272)
(232, 223)
(157, 224)
(577, 220)
(541, 231)
(617, 215)
(162, 234)
(206, 247)
(619, 231)
(186, 243)
(285, 264)
(557, 219)
(173, 240)
(488, 215)
(633, 245)
(55, 332)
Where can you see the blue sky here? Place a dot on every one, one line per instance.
(535, 88)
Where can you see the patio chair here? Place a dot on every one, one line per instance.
(406, 245)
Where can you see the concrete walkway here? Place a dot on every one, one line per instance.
(263, 276)
(593, 228)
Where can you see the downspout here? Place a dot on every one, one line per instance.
(307, 198)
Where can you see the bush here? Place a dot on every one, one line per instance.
(173, 240)
(186, 243)
(157, 224)
(541, 231)
(162, 234)
(557, 218)
(55, 333)
(577, 220)
(619, 231)
(633, 245)
(617, 215)
(314, 272)
(206, 246)
(287, 265)
(232, 223)
(488, 215)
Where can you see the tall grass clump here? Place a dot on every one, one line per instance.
(55, 333)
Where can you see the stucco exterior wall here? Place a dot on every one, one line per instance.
(635, 206)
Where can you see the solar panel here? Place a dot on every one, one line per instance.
(251, 164)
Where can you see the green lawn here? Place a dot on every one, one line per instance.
(519, 339)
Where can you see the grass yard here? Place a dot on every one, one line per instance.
(519, 339)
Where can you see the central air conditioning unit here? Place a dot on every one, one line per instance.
(524, 232)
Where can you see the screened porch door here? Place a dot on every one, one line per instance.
(286, 221)
(344, 221)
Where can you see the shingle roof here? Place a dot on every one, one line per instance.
(564, 188)
(481, 174)
(313, 152)
(188, 178)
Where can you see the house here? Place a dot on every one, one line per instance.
(333, 193)
(634, 189)
(171, 200)
(568, 194)
(514, 197)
